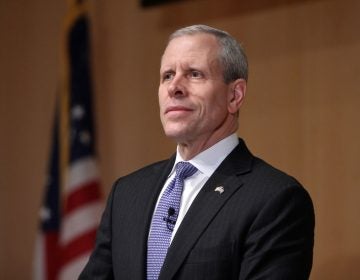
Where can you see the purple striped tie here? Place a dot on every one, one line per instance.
(164, 219)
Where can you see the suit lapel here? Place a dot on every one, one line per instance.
(147, 194)
(206, 205)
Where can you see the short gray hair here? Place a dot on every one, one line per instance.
(232, 55)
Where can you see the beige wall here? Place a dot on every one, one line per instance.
(301, 113)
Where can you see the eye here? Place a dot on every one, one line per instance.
(196, 74)
(167, 76)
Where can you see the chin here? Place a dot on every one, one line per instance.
(178, 136)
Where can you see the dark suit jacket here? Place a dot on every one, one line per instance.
(260, 227)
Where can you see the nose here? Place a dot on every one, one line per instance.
(177, 87)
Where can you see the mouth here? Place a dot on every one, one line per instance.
(177, 109)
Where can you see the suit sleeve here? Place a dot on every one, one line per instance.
(280, 240)
(99, 266)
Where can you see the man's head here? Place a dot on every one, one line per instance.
(232, 56)
(202, 85)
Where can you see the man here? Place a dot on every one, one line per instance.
(232, 216)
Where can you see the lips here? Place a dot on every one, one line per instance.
(179, 109)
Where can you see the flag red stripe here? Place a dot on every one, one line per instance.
(79, 246)
(52, 255)
(86, 193)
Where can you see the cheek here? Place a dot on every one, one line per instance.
(161, 97)
(216, 105)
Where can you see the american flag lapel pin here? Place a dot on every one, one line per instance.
(219, 189)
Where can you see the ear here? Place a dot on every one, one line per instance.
(236, 95)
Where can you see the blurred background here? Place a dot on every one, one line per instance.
(301, 113)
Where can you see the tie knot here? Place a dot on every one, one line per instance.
(184, 169)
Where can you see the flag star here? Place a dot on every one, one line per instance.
(45, 214)
(85, 137)
(77, 112)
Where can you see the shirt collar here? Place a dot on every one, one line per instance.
(210, 159)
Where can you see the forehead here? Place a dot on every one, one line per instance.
(191, 47)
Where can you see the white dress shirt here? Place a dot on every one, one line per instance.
(206, 162)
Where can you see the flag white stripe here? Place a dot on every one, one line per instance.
(81, 172)
(73, 269)
(80, 221)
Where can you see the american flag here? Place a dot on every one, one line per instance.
(72, 204)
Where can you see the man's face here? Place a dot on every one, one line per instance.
(193, 97)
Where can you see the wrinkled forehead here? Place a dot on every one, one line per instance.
(199, 44)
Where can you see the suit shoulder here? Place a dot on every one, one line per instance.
(267, 184)
(141, 179)
(152, 169)
(270, 177)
